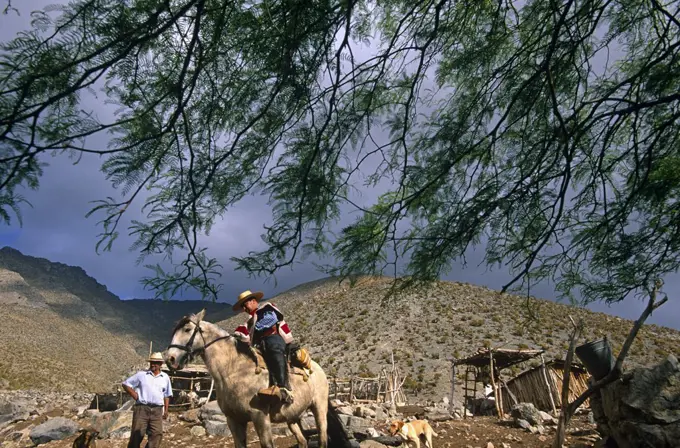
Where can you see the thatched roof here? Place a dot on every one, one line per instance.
(503, 357)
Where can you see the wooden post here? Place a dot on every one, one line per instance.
(453, 385)
(500, 395)
(212, 383)
(547, 383)
(493, 384)
(351, 389)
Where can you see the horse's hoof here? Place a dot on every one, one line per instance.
(258, 371)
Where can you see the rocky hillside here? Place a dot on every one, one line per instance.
(62, 330)
(355, 330)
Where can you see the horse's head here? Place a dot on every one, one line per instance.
(187, 341)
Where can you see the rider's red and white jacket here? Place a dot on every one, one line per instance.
(244, 332)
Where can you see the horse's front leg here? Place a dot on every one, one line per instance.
(238, 431)
(263, 428)
(299, 435)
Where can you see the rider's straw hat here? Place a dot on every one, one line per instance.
(247, 295)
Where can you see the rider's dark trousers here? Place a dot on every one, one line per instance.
(274, 348)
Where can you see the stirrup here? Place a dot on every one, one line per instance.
(286, 395)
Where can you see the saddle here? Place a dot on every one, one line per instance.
(299, 361)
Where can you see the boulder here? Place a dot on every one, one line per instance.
(108, 423)
(437, 414)
(190, 416)
(122, 426)
(307, 423)
(643, 408)
(210, 410)
(216, 428)
(355, 424)
(13, 411)
(57, 428)
(345, 410)
(528, 412)
(371, 444)
(364, 412)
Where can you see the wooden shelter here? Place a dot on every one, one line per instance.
(542, 385)
(485, 366)
(194, 378)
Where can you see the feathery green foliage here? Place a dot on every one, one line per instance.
(549, 131)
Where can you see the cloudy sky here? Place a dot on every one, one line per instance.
(56, 228)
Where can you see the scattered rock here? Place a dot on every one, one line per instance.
(547, 418)
(528, 412)
(197, 431)
(216, 428)
(364, 412)
(523, 424)
(345, 410)
(57, 428)
(353, 423)
(307, 423)
(191, 416)
(371, 444)
(211, 411)
(438, 415)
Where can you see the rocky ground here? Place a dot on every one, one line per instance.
(32, 419)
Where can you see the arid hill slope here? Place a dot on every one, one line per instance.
(62, 330)
(354, 331)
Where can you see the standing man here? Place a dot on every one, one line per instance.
(267, 329)
(151, 390)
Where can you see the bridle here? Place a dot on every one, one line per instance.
(192, 352)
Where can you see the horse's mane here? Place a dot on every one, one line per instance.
(182, 322)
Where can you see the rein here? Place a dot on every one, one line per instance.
(191, 352)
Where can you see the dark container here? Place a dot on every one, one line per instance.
(597, 357)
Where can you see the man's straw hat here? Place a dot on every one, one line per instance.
(247, 295)
(156, 357)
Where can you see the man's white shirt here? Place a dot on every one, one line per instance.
(151, 390)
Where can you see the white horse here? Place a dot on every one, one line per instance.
(236, 383)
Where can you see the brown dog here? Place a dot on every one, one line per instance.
(411, 431)
(86, 439)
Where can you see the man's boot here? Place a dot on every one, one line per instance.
(271, 391)
(282, 380)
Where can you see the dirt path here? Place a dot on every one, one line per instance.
(471, 433)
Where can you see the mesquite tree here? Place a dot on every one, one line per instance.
(547, 131)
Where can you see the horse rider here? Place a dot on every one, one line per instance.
(151, 389)
(267, 329)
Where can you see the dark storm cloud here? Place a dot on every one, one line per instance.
(56, 228)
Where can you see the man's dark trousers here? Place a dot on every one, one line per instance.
(146, 417)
